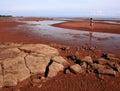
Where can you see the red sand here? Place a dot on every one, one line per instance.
(34, 19)
(9, 31)
(99, 26)
(80, 82)
(62, 82)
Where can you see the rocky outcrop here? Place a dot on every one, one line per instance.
(84, 66)
(98, 66)
(76, 68)
(102, 61)
(60, 60)
(54, 68)
(87, 59)
(18, 62)
(103, 65)
(107, 72)
(40, 49)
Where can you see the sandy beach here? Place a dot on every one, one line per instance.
(14, 29)
(105, 26)
(19, 30)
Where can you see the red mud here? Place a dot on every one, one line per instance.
(62, 82)
(80, 82)
(34, 19)
(98, 26)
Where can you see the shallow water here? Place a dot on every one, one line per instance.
(112, 22)
(105, 41)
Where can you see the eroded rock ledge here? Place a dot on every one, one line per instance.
(18, 62)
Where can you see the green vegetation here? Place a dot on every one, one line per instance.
(5, 16)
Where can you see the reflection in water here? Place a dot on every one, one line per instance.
(111, 22)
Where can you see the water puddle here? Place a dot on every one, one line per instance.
(111, 22)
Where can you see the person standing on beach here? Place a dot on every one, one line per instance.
(91, 21)
(91, 24)
(90, 34)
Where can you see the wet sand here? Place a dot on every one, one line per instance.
(34, 19)
(11, 30)
(105, 26)
(15, 30)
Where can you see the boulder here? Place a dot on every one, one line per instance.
(102, 61)
(114, 59)
(84, 66)
(76, 68)
(107, 72)
(111, 63)
(60, 60)
(19, 62)
(54, 68)
(98, 66)
(67, 71)
(110, 55)
(87, 59)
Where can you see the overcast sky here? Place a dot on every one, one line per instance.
(70, 8)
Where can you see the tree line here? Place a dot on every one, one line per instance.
(5, 16)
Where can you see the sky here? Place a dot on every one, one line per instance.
(61, 8)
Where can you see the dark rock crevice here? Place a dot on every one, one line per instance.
(26, 51)
(2, 70)
(47, 68)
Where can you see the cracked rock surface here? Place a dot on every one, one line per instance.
(19, 61)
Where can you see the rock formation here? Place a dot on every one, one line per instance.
(21, 61)
(18, 62)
